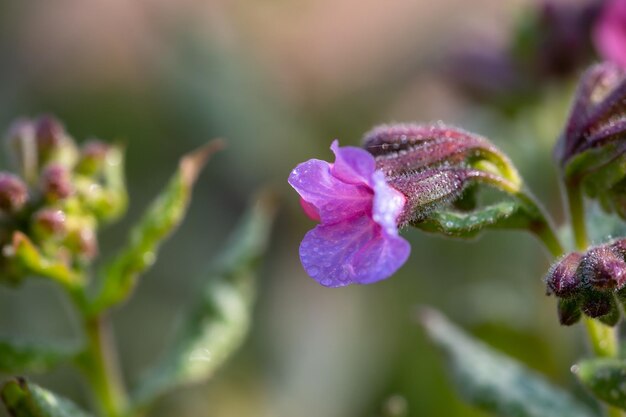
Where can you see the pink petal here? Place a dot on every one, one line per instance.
(610, 32)
(334, 200)
(356, 251)
(352, 165)
(388, 204)
(310, 210)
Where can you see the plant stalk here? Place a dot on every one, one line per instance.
(100, 365)
(603, 338)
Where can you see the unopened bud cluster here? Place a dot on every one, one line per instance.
(591, 283)
(58, 195)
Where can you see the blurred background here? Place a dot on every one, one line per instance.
(279, 80)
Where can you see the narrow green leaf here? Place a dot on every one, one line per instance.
(24, 399)
(605, 378)
(18, 357)
(217, 323)
(27, 259)
(160, 220)
(495, 382)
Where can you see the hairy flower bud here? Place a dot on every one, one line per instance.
(13, 193)
(597, 304)
(597, 114)
(562, 279)
(603, 269)
(56, 182)
(432, 165)
(568, 311)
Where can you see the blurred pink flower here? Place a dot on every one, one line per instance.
(610, 32)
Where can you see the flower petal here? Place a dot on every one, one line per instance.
(388, 204)
(610, 32)
(334, 200)
(357, 251)
(352, 165)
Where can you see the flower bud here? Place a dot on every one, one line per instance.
(597, 303)
(53, 142)
(13, 193)
(81, 238)
(433, 165)
(603, 269)
(404, 148)
(56, 182)
(93, 156)
(568, 311)
(562, 279)
(22, 147)
(49, 223)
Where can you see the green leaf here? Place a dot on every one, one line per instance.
(26, 258)
(18, 357)
(218, 321)
(160, 220)
(605, 378)
(507, 214)
(24, 399)
(495, 382)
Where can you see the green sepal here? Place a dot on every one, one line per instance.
(503, 215)
(218, 321)
(24, 258)
(494, 382)
(161, 219)
(19, 357)
(605, 378)
(24, 399)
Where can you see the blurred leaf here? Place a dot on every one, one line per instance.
(160, 220)
(23, 399)
(27, 259)
(218, 322)
(602, 226)
(494, 382)
(605, 378)
(17, 357)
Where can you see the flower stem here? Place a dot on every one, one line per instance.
(603, 338)
(100, 366)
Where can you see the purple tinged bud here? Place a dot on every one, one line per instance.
(598, 115)
(568, 311)
(50, 134)
(603, 269)
(93, 156)
(408, 147)
(433, 164)
(13, 193)
(56, 182)
(562, 279)
(49, 222)
(596, 304)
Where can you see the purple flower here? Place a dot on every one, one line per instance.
(357, 239)
(610, 32)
